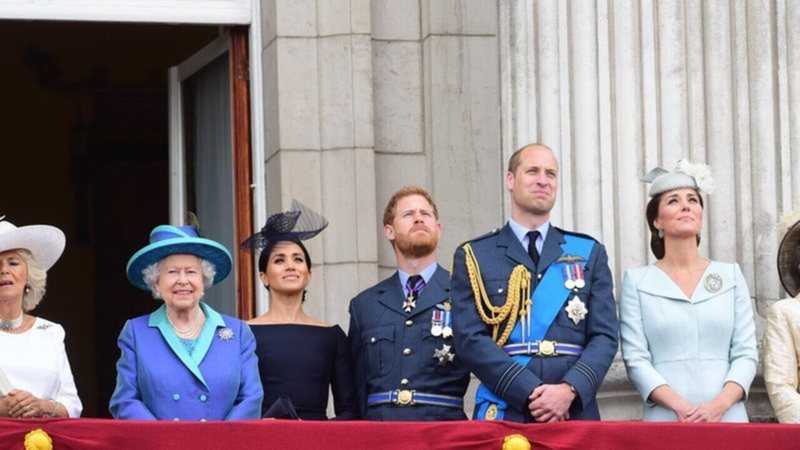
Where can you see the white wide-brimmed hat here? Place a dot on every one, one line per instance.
(46, 243)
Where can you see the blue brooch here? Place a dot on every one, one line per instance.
(226, 334)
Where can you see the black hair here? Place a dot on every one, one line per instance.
(266, 251)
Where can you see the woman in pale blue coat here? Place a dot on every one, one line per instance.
(185, 361)
(688, 337)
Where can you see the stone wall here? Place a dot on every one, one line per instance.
(617, 88)
(364, 97)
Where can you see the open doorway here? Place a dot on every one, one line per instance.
(85, 145)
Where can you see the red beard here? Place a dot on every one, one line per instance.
(416, 245)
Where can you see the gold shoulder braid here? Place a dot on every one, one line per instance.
(517, 303)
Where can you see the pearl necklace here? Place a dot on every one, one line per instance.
(8, 325)
(190, 332)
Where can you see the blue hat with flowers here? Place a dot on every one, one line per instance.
(166, 240)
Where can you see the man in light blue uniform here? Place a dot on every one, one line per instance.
(534, 312)
(401, 330)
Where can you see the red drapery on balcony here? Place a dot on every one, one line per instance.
(102, 434)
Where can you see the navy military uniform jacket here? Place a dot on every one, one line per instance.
(498, 253)
(393, 350)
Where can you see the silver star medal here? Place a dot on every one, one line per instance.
(226, 334)
(576, 310)
(410, 303)
(444, 355)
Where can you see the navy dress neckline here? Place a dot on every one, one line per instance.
(302, 362)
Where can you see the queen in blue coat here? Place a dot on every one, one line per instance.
(184, 361)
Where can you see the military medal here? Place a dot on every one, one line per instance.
(444, 355)
(447, 329)
(573, 276)
(576, 310)
(436, 322)
(580, 280)
(569, 281)
(410, 303)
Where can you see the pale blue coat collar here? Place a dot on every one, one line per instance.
(158, 319)
(656, 282)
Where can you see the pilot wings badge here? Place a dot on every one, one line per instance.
(570, 259)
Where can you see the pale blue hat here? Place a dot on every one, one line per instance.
(685, 175)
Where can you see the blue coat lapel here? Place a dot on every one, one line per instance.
(213, 321)
(436, 291)
(391, 294)
(514, 250)
(158, 319)
(551, 250)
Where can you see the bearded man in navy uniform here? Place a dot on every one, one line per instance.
(534, 312)
(401, 330)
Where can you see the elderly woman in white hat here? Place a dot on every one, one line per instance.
(185, 361)
(35, 377)
(688, 337)
(782, 335)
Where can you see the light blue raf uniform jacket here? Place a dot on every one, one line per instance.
(157, 378)
(692, 344)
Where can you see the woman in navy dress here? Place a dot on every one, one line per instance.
(299, 357)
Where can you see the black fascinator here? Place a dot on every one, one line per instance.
(300, 223)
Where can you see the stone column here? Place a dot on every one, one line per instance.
(619, 90)
(436, 113)
(319, 138)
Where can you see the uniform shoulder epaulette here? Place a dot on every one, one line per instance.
(574, 233)
(481, 237)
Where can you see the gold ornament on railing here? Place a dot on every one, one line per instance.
(516, 442)
(38, 440)
(517, 300)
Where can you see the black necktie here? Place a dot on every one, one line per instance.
(534, 254)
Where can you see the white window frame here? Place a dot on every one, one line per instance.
(153, 11)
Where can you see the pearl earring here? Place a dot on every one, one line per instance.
(661, 233)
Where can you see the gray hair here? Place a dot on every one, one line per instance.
(150, 275)
(36, 283)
